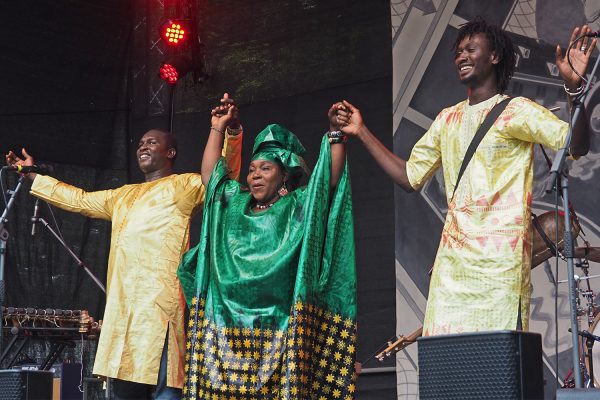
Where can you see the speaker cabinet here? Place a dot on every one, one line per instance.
(25, 385)
(499, 365)
(66, 379)
(70, 375)
(578, 394)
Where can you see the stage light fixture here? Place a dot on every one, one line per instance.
(174, 69)
(174, 32)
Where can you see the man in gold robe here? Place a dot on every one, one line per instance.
(481, 275)
(142, 342)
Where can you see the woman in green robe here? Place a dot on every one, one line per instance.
(271, 285)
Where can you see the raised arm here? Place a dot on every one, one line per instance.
(232, 151)
(222, 117)
(338, 146)
(98, 204)
(351, 123)
(580, 54)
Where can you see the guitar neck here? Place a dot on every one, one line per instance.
(399, 344)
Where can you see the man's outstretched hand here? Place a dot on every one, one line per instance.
(13, 160)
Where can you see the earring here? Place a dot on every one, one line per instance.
(283, 190)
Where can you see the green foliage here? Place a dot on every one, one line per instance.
(264, 49)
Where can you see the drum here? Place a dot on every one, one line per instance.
(594, 330)
(540, 251)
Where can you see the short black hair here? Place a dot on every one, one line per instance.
(170, 140)
(499, 42)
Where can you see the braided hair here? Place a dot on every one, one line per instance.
(499, 42)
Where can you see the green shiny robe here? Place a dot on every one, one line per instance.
(272, 294)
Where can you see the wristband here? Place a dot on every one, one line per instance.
(233, 131)
(577, 91)
(336, 140)
(335, 134)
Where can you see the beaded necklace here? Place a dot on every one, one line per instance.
(264, 206)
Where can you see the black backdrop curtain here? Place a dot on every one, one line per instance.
(66, 101)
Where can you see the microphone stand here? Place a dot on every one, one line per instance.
(560, 169)
(71, 253)
(3, 240)
(589, 343)
(171, 107)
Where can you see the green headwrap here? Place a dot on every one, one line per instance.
(277, 144)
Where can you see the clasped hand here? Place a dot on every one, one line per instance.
(226, 115)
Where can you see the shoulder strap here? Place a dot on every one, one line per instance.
(485, 126)
(538, 227)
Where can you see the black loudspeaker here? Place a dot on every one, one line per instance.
(578, 394)
(70, 376)
(499, 365)
(25, 385)
(65, 382)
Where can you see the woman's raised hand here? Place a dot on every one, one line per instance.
(225, 115)
(347, 118)
(222, 117)
(337, 116)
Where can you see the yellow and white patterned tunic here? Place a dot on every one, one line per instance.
(150, 229)
(482, 269)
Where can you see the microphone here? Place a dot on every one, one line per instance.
(35, 218)
(587, 335)
(38, 169)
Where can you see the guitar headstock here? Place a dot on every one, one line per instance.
(399, 344)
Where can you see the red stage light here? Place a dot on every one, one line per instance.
(169, 73)
(173, 32)
(175, 68)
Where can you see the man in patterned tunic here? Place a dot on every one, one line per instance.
(481, 275)
(142, 342)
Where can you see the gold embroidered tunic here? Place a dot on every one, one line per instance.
(482, 269)
(150, 227)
